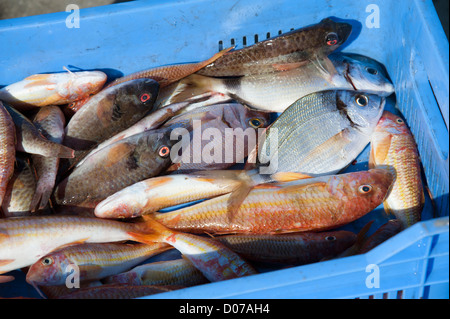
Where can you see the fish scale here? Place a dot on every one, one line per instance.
(26, 239)
(394, 148)
(94, 261)
(312, 204)
(295, 248)
(321, 133)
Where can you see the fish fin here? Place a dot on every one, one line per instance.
(5, 279)
(288, 66)
(153, 231)
(380, 150)
(267, 186)
(325, 67)
(65, 152)
(289, 176)
(387, 209)
(194, 85)
(236, 199)
(215, 57)
(362, 237)
(433, 202)
(238, 193)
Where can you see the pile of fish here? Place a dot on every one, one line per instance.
(92, 170)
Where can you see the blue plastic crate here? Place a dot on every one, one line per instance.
(408, 40)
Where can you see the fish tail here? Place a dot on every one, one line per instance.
(150, 231)
(194, 85)
(65, 152)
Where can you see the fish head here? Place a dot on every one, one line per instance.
(367, 76)
(369, 188)
(138, 94)
(155, 149)
(332, 34)
(362, 110)
(50, 270)
(335, 242)
(390, 123)
(237, 115)
(81, 84)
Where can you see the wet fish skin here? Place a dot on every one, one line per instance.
(275, 92)
(157, 118)
(116, 292)
(325, 149)
(109, 112)
(178, 272)
(30, 140)
(235, 118)
(311, 204)
(24, 240)
(166, 75)
(386, 231)
(50, 122)
(115, 167)
(94, 261)
(295, 248)
(159, 192)
(393, 147)
(296, 46)
(20, 190)
(214, 260)
(52, 89)
(7, 149)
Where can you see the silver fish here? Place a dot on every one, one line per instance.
(276, 91)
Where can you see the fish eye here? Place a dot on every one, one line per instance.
(332, 38)
(330, 238)
(47, 261)
(372, 71)
(255, 123)
(399, 121)
(164, 151)
(144, 97)
(361, 100)
(365, 189)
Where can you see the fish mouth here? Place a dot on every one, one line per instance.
(348, 77)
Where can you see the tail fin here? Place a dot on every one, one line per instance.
(65, 152)
(193, 85)
(360, 241)
(150, 231)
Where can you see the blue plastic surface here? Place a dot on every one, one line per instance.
(409, 41)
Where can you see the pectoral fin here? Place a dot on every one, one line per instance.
(289, 176)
